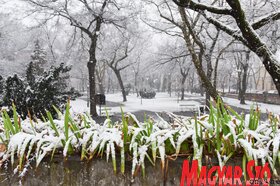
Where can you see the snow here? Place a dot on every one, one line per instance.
(79, 106)
(162, 102)
(262, 106)
(108, 139)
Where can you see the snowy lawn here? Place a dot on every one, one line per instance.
(264, 108)
(162, 102)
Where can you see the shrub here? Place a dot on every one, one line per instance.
(147, 94)
(35, 94)
(1, 90)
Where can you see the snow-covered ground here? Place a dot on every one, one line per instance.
(162, 102)
(262, 106)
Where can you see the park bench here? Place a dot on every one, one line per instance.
(103, 111)
(188, 107)
(199, 109)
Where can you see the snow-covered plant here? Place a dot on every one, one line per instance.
(39, 90)
(222, 134)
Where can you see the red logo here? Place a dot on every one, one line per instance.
(224, 176)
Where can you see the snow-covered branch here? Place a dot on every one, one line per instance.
(202, 7)
(266, 20)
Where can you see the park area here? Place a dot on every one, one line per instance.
(144, 92)
(141, 141)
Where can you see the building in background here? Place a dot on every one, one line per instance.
(265, 82)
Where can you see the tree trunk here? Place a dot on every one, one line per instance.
(169, 84)
(91, 66)
(109, 84)
(83, 84)
(192, 83)
(250, 38)
(201, 88)
(244, 83)
(118, 74)
(223, 86)
(101, 88)
(135, 82)
(238, 89)
(100, 85)
(215, 74)
(255, 44)
(209, 75)
(229, 83)
(91, 69)
(197, 59)
(183, 87)
(244, 78)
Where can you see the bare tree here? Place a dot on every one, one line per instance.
(100, 75)
(173, 56)
(136, 71)
(245, 67)
(184, 71)
(189, 30)
(14, 40)
(208, 57)
(89, 20)
(219, 56)
(115, 62)
(245, 31)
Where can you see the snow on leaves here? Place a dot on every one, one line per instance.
(150, 139)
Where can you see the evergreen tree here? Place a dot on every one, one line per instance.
(15, 93)
(51, 90)
(30, 74)
(1, 85)
(41, 90)
(38, 59)
(1, 89)
(35, 95)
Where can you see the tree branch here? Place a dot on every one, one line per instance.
(202, 7)
(266, 20)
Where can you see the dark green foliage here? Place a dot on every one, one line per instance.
(36, 94)
(30, 74)
(1, 89)
(1, 84)
(40, 90)
(38, 59)
(35, 68)
(74, 93)
(14, 92)
(150, 94)
(48, 90)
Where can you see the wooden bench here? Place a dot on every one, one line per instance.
(188, 107)
(199, 109)
(103, 111)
